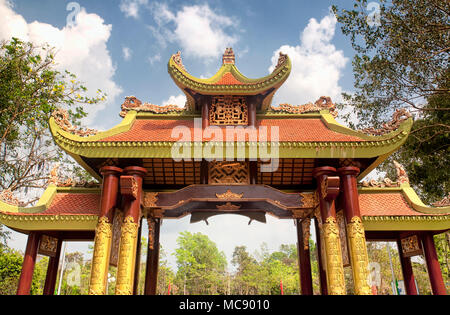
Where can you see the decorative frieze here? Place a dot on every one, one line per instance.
(48, 246)
(228, 111)
(411, 246)
(228, 172)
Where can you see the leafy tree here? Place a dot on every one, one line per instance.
(31, 89)
(401, 61)
(201, 267)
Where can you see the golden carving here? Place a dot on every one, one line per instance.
(359, 257)
(127, 257)
(324, 187)
(306, 228)
(115, 243)
(228, 173)
(335, 269)
(150, 199)
(228, 207)
(151, 232)
(343, 236)
(309, 200)
(100, 259)
(229, 195)
(228, 110)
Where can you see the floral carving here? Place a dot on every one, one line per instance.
(399, 116)
(229, 195)
(61, 117)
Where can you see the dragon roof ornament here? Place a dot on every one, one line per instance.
(323, 103)
(398, 117)
(133, 103)
(444, 202)
(61, 117)
(7, 197)
(402, 178)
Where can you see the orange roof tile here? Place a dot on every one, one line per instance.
(228, 79)
(290, 130)
(385, 204)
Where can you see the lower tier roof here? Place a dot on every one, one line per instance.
(77, 209)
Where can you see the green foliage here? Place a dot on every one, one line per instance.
(30, 90)
(403, 62)
(200, 264)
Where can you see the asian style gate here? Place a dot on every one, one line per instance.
(211, 158)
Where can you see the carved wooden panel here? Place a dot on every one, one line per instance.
(411, 246)
(48, 246)
(229, 173)
(228, 110)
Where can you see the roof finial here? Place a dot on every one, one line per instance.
(228, 56)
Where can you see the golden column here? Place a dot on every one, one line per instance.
(103, 231)
(131, 190)
(355, 230)
(328, 190)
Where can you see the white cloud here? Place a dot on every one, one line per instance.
(197, 29)
(179, 100)
(153, 59)
(127, 52)
(81, 49)
(316, 65)
(131, 7)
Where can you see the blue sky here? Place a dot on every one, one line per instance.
(123, 46)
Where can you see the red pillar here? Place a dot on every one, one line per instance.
(52, 271)
(151, 273)
(29, 260)
(304, 261)
(408, 274)
(434, 269)
(110, 190)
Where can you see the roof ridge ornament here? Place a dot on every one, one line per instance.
(323, 103)
(402, 178)
(133, 103)
(61, 117)
(229, 56)
(398, 117)
(281, 60)
(7, 197)
(178, 60)
(444, 202)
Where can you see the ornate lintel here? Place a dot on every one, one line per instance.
(229, 195)
(228, 207)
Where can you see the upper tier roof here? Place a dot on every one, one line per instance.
(229, 80)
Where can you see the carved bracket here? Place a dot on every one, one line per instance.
(129, 187)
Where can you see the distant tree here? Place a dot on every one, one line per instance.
(402, 61)
(201, 266)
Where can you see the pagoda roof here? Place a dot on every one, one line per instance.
(77, 209)
(229, 80)
(313, 134)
